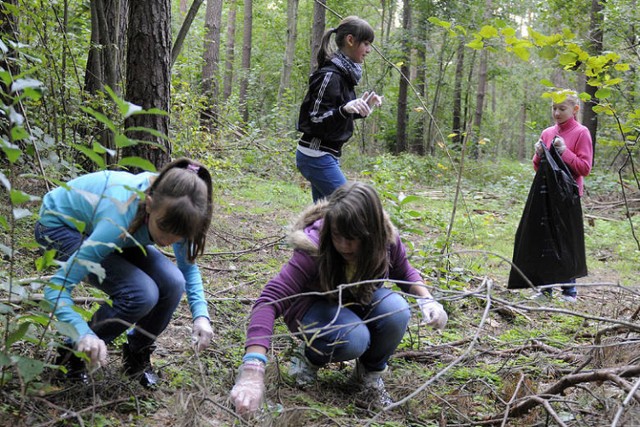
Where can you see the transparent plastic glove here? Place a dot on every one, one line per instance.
(247, 394)
(202, 333)
(372, 99)
(357, 106)
(538, 147)
(433, 313)
(95, 348)
(558, 142)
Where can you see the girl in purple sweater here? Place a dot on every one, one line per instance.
(330, 294)
(573, 143)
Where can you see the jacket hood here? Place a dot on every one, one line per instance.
(305, 230)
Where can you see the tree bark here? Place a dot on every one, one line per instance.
(290, 50)
(457, 123)
(148, 77)
(246, 58)
(230, 51)
(482, 87)
(401, 132)
(317, 31)
(211, 59)
(184, 29)
(589, 117)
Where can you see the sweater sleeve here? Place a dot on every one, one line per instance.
(193, 282)
(278, 295)
(325, 103)
(580, 156)
(400, 268)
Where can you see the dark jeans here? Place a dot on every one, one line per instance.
(334, 333)
(145, 289)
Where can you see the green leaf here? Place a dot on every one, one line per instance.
(508, 32)
(5, 309)
(123, 106)
(17, 334)
(4, 360)
(18, 197)
(22, 84)
(567, 59)
(476, 44)
(122, 141)
(18, 133)
(408, 199)
(603, 93)
(488, 31)
(100, 117)
(138, 163)
(28, 368)
(98, 160)
(547, 52)
(66, 329)
(439, 22)
(523, 53)
(547, 83)
(153, 132)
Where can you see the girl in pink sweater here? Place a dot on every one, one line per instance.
(572, 141)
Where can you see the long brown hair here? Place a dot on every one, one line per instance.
(357, 27)
(355, 212)
(184, 192)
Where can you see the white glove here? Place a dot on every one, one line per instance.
(372, 99)
(433, 313)
(357, 106)
(248, 392)
(202, 333)
(95, 348)
(558, 142)
(538, 148)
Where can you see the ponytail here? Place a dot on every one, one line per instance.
(357, 27)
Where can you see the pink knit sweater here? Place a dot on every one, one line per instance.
(579, 153)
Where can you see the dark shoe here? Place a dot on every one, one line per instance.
(138, 365)
(76, 367)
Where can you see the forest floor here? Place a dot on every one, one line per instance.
(504, 359)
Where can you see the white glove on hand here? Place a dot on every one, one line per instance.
(202, 333)
(372, 99)
(95, 348)
(558, 142)
(357, 106)
(538, 147)
(248, 392)
(433, 313)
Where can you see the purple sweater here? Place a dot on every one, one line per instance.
(300, 275)
(579, 153)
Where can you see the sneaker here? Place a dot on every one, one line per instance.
(138, 365)
(371, 386)
(302, 370)
(76, 367)
(569, 298)
(542, 297)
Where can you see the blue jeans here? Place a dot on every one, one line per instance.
(145, 289)
(568, 290)
(322, 172)
(346, 334)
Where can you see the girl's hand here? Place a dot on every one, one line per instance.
(357, 106)
(95, 348)
(433, 313)
(539, 149)
(558, 142)
(202, 333)
(247, 394)
(372, 99)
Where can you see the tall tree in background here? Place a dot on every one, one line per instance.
(457, 128)
(211, 57)
(482, 85)
(148, 77)
(184, 30)
(401, 121)
(317, 31)
(589, 117)
(246, 58)
(290, 50)
(230, 51)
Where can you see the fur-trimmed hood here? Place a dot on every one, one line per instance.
(305, 230)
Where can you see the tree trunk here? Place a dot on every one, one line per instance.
(456, 127)
(290, 50)
(230, 51)
(589, 117)
(317, 31)
(148, 76)
(184, 30)
(246, 58)
(401, 132)
(211, 57)
(482, 87)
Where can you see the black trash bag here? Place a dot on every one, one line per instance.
(549, 242)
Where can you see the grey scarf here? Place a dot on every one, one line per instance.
(353, 70)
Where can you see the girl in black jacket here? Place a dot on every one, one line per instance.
(330, 105)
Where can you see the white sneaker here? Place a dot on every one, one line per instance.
(568, 298)
(371, 386)
(542, 297)
(302, 370)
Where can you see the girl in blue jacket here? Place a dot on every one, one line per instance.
(105, 227)
(330, 105)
